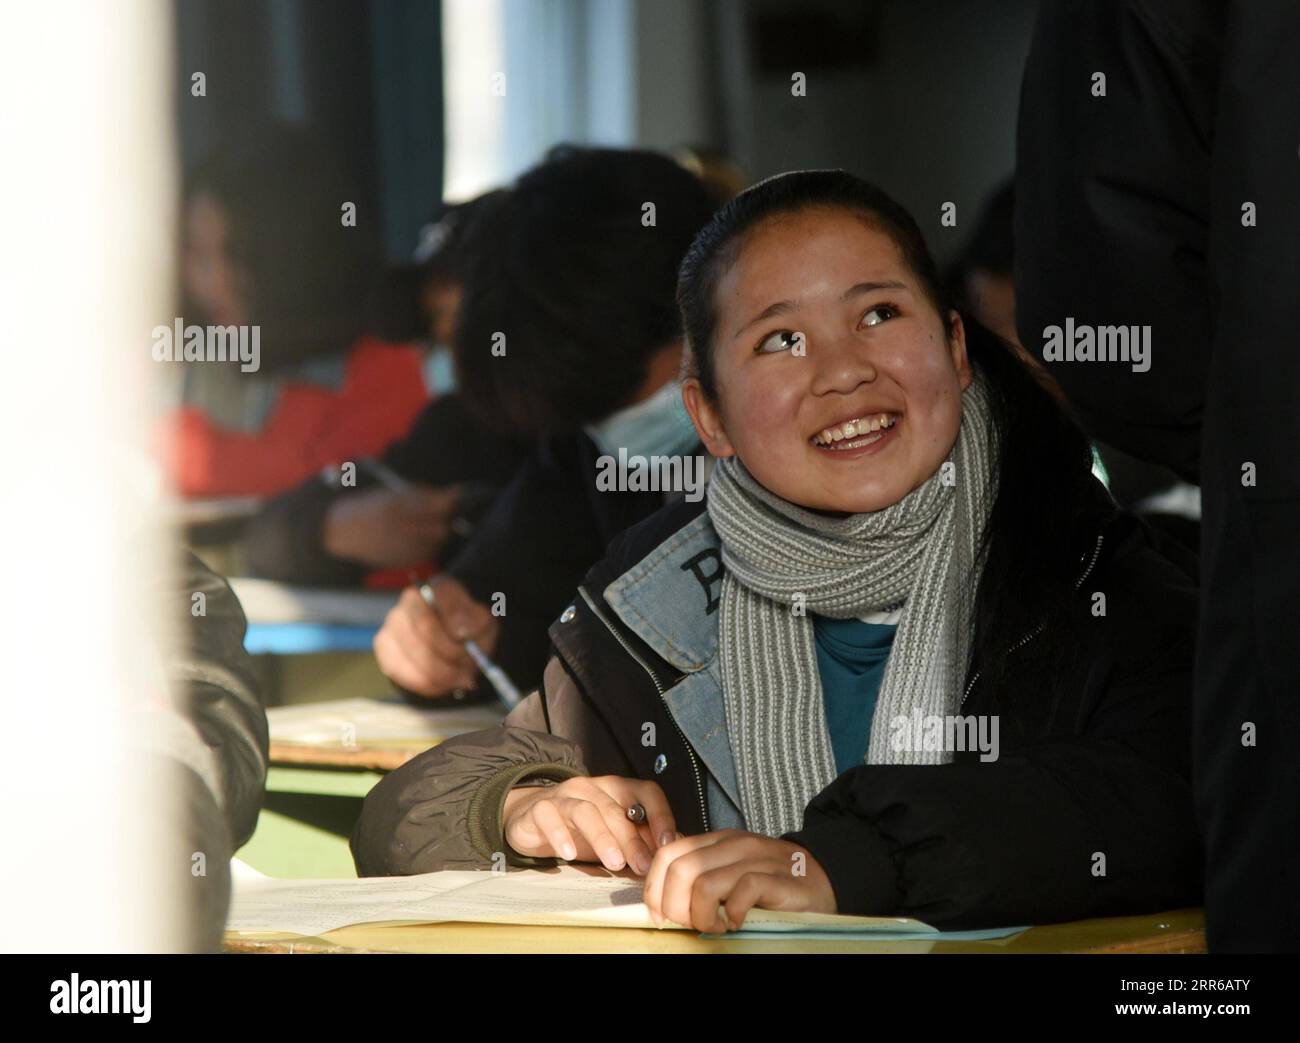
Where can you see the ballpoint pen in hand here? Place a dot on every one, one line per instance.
(496, 676)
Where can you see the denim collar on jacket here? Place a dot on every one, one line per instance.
(671, 600)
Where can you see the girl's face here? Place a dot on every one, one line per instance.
(839, 386)
(212, 279)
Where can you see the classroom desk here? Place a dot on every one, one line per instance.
(314, 794)
(305, 821)
(314, 789)
(266, 601)
(1179, 931)
(312, 644)
(214, 529)
(291, 621)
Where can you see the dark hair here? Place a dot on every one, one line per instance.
(397, 311)
(445, 244)
(564, 267)
(309, 276)
(1046, 497)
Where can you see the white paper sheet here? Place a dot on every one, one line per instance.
(565, 896)
(359, 722)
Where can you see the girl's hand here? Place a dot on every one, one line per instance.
(388, 530)
(699, 880)
(584, 819)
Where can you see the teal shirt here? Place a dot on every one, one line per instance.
(851, 658)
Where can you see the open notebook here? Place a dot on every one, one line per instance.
(567, 896)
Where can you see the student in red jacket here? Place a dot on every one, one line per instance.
(448, 466)
(270, 244)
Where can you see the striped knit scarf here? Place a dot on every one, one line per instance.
(784, 562)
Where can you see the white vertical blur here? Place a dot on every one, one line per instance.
(472, 50)
(570, 75)
(87, 92)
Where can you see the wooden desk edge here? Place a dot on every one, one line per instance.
(372, 758)
(1186, 940)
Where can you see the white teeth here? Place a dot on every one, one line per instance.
(855, 429)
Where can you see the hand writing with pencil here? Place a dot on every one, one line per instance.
(585, 819)
(712, 880)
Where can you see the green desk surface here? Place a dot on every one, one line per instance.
(306, 820)
(320, 782)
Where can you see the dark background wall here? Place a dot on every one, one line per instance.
(917, 95)
(365, 76)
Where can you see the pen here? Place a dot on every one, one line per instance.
(387, 477)
(505, 689)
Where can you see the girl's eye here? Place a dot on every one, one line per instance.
(781, 340)
(882, 313)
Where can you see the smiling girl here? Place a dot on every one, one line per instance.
(910, 659)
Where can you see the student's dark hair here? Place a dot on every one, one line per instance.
(577, 273)
(1046, 501)
(281, 189)
(445, 246)
(397, 311)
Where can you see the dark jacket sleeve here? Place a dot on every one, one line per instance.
(445, 446)
(1066, 827)
(219, 692)
(532, 548)
(443, 809)
(203, 827)
(535, 546)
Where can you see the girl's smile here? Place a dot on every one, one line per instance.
(848, 440)
(839, 383)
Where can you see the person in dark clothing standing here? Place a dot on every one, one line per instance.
(1156, 191)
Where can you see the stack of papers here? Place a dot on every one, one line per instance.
(567, 896)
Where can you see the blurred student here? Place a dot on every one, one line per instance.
(568, 335)
(269, 251)
(447, 466)
(891, 672)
